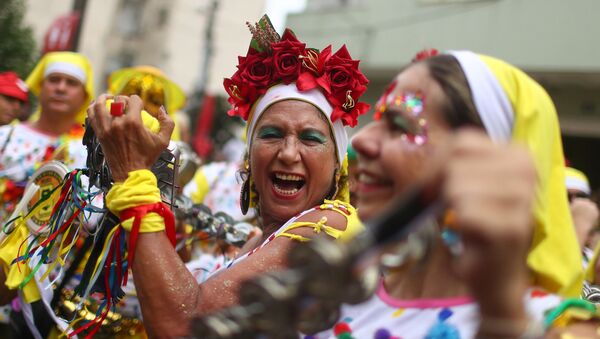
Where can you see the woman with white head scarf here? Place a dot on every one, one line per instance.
(486, 136)
(296, 101)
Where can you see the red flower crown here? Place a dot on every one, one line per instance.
(271, 60)
(425, 53)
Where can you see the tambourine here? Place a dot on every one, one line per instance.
(47, 177)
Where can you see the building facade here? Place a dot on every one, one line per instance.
(170, 35)
(552, 40)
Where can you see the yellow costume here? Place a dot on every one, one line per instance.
(152, 86)
(77, 66)
(518, 109)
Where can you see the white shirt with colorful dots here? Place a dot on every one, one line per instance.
(384, 317)
(22, 148)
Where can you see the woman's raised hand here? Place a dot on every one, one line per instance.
(126, 143)
(490, 189)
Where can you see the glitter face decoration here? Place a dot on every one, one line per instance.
(404, 112)
(150, 89)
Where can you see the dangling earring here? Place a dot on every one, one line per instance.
(245, 192)
(245, 196)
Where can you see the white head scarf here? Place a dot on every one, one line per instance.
(67, 68)
(315, 97)
(515, 108)
(491, 102)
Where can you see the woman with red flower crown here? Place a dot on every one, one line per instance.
(297, 102)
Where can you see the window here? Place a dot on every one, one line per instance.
(129, 22)
(163, 17)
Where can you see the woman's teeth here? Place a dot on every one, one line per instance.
(289, 177)
(367, 179)
(287, 184)
(285, 191)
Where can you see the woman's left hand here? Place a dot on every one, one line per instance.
(126, 143)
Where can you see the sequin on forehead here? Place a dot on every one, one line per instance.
(410, 102)
(414, 124)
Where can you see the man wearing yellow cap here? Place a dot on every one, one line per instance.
(63, 82)
(583, 210)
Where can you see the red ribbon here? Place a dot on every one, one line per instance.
(138, 213)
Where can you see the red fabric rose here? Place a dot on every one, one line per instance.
(424, 54)
(343, 84)
(313, 65)
(286, 57)
(241, 96)
(287, 61)
(256, 69)
(350, 117)
(341, 73)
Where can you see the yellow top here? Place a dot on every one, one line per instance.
(353, 224)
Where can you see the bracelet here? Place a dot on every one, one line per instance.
(137, 213)
(569, 310)
(591, 293)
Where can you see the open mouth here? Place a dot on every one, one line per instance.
(287, 184)
(367, 182)
(367, 179)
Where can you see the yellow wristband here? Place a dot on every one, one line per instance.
(140, 188)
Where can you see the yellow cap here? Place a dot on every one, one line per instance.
(70, 63)
(576, 180)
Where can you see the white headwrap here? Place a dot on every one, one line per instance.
(576, 180)
(491, 102)
(315, 97)
(513, 107)
(66, 68)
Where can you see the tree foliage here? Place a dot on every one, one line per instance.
(17, 45)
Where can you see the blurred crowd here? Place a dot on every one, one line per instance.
(467, 219)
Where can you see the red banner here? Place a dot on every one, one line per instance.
(61, 34)
(202, 142)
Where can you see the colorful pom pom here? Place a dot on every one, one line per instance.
(341, 328)
(382, 333)
(445, 314)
